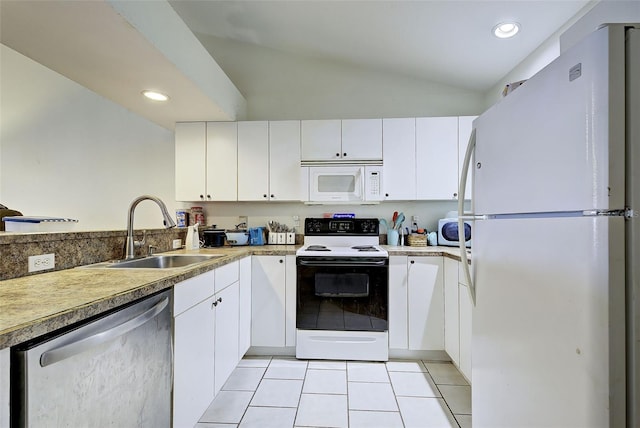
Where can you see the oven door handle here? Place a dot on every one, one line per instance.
(335, 263)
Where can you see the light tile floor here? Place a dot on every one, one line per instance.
(282, 392)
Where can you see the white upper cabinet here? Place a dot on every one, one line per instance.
(465, 125)
(321, 140)
(253, 161)
(191, 161)
(269, 161)
(399, 149)
(222, 161)
(437, 158)
(284, 161)
(206, 161)
(362, 139)
(343, 140)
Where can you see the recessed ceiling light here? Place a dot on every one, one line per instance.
(504, 30)
(155, 96)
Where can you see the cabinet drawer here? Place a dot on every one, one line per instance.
(227, 275)
(192, 291)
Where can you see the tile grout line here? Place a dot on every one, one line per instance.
(443, 399)
(395, 396)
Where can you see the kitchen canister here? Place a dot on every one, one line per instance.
(182, 218)
(197, 215)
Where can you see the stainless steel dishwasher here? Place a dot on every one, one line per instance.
(112, 371)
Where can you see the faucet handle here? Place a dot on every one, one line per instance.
(138, 244)
(150, 250)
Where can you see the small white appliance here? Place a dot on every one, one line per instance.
(345, 183)
(342, 291)
(555, 260)
(448, 232)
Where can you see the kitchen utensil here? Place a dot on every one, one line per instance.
(393, 220)
(384, 222)
(399, 221)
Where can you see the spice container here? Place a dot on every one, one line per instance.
(197, 215)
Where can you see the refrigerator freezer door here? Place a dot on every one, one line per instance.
(548, 325)
(557, 142)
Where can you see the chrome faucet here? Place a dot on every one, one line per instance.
(131, 244)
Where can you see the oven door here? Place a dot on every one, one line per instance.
(342, 294)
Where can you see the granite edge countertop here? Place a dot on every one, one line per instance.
(36, 305)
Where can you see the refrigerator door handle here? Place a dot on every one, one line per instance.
(461, 193)
(65, 351)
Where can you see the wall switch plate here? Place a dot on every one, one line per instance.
(42, 262)
(177, 243)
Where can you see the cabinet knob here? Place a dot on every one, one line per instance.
(264, 195)
(455, 195)
(344, 154)
(386, 195)
(201, 196)
(413, 261)
(208, 196)
(273, 196)
(337, 155)
(281, 261)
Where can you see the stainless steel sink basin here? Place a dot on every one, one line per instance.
(157, 262)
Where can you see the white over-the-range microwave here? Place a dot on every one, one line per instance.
(345, 183)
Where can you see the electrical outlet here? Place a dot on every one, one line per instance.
(177, 243)
(244, 219)
(42, 262)
(415, 219)
(296, 221)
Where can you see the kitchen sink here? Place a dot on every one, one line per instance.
(156, 262)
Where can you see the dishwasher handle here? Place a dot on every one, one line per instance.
(65, 351)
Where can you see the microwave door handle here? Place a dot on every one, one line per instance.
(361, 177)
(461, 235)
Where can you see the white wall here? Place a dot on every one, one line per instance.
(539, 58)
(279, 85)
(68, 152)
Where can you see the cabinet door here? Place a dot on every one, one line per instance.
(227, 310)
(426, 303)
(465, 124)
(268, 301)
(398, 309)
(399, 153)
(321, 139)
(466, 323)
(437, 156)
(244, 327)
(4, 387)
(222, 161)
(193, 363)
(284, 160)
(362, 139)
(451, 324)
(190, 162)
(253, 161)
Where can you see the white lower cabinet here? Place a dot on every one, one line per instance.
(416, 303)
(193, 341)
(451, 313)
(466, 322)
(273, 301)
(206, 311)
(4, 387)
(458, 317)
(227, 314)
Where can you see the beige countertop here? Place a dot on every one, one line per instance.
(34, 305)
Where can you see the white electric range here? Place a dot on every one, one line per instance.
(342, 291)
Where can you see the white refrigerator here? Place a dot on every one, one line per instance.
(556, 254)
